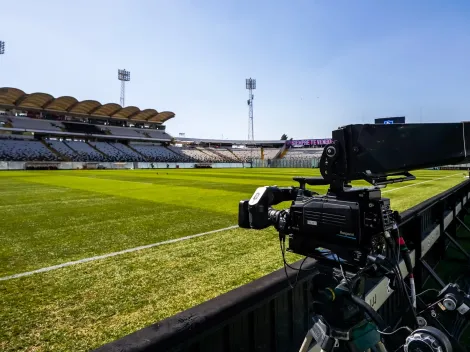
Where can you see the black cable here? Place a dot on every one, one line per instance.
(370, 311)
(401, 281)
(343, 274)
(286, 265)
(283, 250)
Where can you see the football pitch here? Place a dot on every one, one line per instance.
(48, 218)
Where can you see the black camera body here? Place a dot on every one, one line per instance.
(350, 224)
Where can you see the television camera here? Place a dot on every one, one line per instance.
(356, 227)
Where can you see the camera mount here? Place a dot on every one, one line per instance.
(357, 224)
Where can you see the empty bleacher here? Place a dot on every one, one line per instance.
(303, 153)
(112, 153)
(193, 153)
(35, 124)
(224, 153)
(123, 131)
(128, 151)
(157, 134)
(25, 150)
(63, 149)
(246, 154)
(156, 153)
(270, 153)
(85, 151)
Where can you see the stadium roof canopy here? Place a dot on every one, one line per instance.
(13, 98)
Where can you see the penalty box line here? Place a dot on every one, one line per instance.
(130, 250)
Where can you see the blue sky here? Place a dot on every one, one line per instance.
(318, 64)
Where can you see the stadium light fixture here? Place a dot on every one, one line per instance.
(2, 47)
(124, 76)
(250, 85)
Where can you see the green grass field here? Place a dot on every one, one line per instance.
(49, 218)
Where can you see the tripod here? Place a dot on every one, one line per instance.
(340, 321)
(360, 337)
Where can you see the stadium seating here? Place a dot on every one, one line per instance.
(25, 150)
(195, 154)
(128, 151)
(152, 133)
(64, 150)
(158, 153)
(303, 153)
(85, 151)
(36, 124)
(124, 131)
(270, 153)
(247, 154)
(112, 154)
(225, 154)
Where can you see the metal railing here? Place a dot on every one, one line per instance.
(267, 315)
(287, 163)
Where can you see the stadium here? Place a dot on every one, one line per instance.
(142, 254)
(40, 128)
(129, 223)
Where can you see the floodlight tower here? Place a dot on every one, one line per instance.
(250, 85)
(124, 76)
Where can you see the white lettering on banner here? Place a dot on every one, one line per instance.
(302, 142)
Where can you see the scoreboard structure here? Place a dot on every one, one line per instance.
(390, 120)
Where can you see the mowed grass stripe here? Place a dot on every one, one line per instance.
(50, 234)
(113, 254)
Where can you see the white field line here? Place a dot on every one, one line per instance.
(98, 257)
(108, 255)
(420, 183)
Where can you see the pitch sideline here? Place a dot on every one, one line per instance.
(130, 250)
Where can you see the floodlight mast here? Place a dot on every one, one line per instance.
(124, 76)
(250, 85)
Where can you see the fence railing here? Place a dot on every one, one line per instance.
(267, 315)
(66, 165)
(285, 163)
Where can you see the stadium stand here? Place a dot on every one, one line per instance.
(152, 133)
(247, 154)
(226, 154)
(56, 129)
(191, 153)
(35, 124)
(157, 153)
(210, 155)
(270, 153)
(128, 151)
(85, 151)
(25, 150)
(303, 153)
(123, 131)
(64, 150)
(111, 153)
